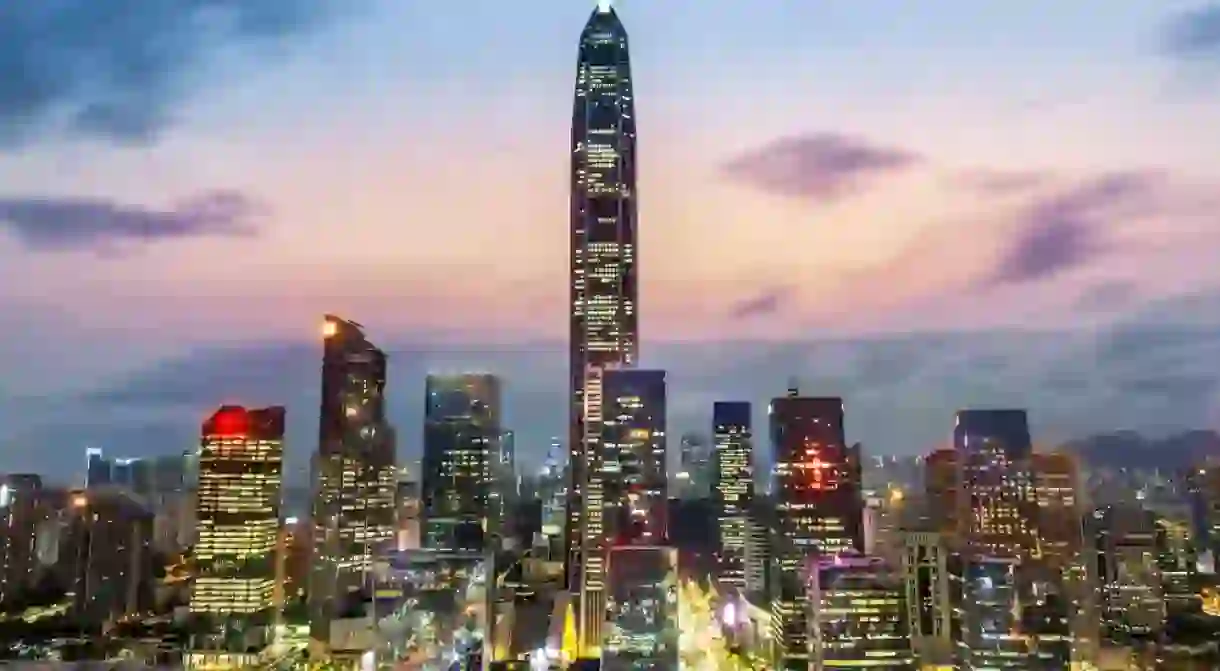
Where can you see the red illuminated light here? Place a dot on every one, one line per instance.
(229, 421)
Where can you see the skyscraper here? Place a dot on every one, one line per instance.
(462, 436)
(634, 450)
(733, 488)
(819, 509)
(241, 464)
(996, 510)
(604, 311)
(354, 474)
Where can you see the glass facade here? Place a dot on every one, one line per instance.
(604, 328)
(354, 475)
(998, 504)
(733, 488)
(634, 453)
(819, 509)
(462, 452)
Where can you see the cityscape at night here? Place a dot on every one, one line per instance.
(891, 342)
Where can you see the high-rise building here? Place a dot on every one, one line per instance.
(942, 492)
(1058, 510)
(604, 315)
(733, 488)
(819, 509)
(996, 512)
(927, 565)
(626, 502)
(859, 615)
(462, 434)
(241, 466)
(1131, 597)
(634, 450)
(22, 512)
(990, 605)
(641, 630)
(108, 555)
(354, 476)
(695, 477)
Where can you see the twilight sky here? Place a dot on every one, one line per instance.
(1004, 203)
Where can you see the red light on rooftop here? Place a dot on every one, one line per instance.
(229, 421)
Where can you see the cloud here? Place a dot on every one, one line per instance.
(901, 391)
(1194, 34)
(1061, 232)
(766, 303)
(63, 224)
(1108, 296)
(1003, 182)
(822, 166)
(117, 70)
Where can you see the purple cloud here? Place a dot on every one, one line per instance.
(1064, 231)
(1195, 33)
(766, 303)
(64, 224)
(824, 166)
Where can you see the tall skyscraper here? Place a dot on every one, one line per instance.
(819, 509)
(354, 475)
(241, 463)
(462, 436)
(996, 511)
(732, 488)
(604, 308)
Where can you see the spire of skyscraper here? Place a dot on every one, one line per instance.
(605, 6)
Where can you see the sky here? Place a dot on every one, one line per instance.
(1001, 204)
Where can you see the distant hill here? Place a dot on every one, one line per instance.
(1128, 449)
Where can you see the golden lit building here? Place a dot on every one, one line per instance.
(233, 596)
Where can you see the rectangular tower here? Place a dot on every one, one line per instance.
(732, 488)
(241, 464)
(996, 512)
(462, 435)
(819, 509)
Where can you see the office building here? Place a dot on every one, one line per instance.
(604, 317)
(241, 466)
(859, 615)
(732, 489)
(1058, 510)
(819, 509)
(107, 549)
(1131, 596)
(634, 452)
(462, 433)
(695, 476)
(354, 477)
(927, 570)
(23, 510)
(996, 510)
(990, 609)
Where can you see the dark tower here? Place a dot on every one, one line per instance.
(603, 283)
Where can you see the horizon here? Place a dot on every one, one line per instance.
(1009, 207)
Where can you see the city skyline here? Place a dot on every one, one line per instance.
(1094, 171)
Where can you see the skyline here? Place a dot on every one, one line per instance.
(1041, 176)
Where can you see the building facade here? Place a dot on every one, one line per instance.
(732, 488)
(354, 475)
(604, 315)
(462, 434)
(241, 467)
